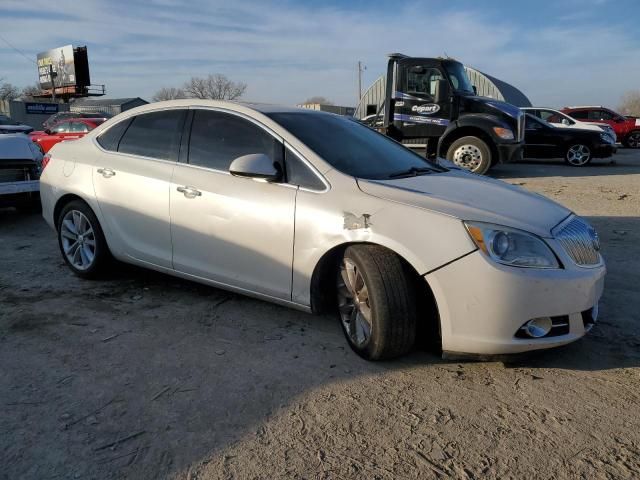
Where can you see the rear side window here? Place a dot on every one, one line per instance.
(300, 174)
(110, 139)
(155, 135)
(219, 138)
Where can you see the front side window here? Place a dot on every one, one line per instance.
(62, 127)
(300, 174)
(79, 127)
(156, 135)
(422, 81)
(351, 147)
(218, 138)
(459, 78)
(580, 114)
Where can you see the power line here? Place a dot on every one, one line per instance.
(18, 51)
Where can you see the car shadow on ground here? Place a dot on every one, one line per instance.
(143, 374)
(625, 162)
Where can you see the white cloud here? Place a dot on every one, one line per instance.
(288, 52)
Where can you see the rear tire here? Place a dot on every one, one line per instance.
(578, 155)
(376, 302)
(470, 153)
(632, 140)
(81, 240)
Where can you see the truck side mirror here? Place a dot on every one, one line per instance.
(475, 89)
(442, 91)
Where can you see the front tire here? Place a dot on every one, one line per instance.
(633, 139)
(578, 155)
(376, 302)
(470, 153)
(82, 241)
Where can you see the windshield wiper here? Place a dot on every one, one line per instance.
(412, 172)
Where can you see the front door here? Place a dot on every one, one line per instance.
(235, 231)
(415, 112)
(131, 181)
(539, 141)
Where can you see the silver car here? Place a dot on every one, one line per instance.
(321, 213)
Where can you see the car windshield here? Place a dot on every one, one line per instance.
(459, 78)
(4, 120)
(351, 147)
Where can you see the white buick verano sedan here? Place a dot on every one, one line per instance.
(321, 213)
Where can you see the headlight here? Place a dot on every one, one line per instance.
(503, 133)
(511, 247)
(605, 138)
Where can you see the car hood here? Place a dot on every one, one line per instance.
(471, 197)
(16, 128)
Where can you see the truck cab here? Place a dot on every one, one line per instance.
(432, 101)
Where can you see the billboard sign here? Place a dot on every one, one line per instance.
(62, 61)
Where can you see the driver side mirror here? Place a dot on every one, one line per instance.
(47, 131)
(442, 91)
(257, 166)
(475, 89)
(565, 122)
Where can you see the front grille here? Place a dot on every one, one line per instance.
(521, 122)
(580, 241)
(14, 175)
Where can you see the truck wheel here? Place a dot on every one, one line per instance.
(470, 153)
(633, 139)
(578, 155)
(376, 302)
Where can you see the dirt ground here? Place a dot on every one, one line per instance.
(144, 376)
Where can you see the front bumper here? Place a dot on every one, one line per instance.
(482, 305)
(604, 150)
(510, 152)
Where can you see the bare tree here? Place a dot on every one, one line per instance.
(317, 99)
(31, 91)
(9, 91)
(214, 87)
(630, 104)
(170, 93)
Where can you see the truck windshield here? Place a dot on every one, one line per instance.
(458, 77)
(351, 147)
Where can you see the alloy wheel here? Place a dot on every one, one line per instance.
(468, 157)
(353, 303)
(78, 240)
(634, 140)
(578, 155)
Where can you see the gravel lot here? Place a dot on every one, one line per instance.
(146, 376)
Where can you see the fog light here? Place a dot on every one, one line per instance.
(538, 327)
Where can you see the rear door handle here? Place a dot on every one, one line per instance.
(189, 192)
(106, 172)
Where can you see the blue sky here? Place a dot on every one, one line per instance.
(557, 52)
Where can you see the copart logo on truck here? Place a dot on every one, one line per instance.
(426, 109)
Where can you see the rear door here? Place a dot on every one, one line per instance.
(235, 231)
(131, 179)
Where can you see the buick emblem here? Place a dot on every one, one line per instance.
(595, 239)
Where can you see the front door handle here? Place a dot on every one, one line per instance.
(189, 192)
(106, 172)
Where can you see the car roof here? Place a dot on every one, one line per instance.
(586, 106)
(237, 106)
(15, 146)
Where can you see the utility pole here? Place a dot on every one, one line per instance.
(361, 68)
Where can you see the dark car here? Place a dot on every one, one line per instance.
(577, 146)
(62, 116)
(20, 166)
(8, 125)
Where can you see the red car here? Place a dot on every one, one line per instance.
(65, 130)
(627, 128)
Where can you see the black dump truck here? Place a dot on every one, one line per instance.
(431, 102)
